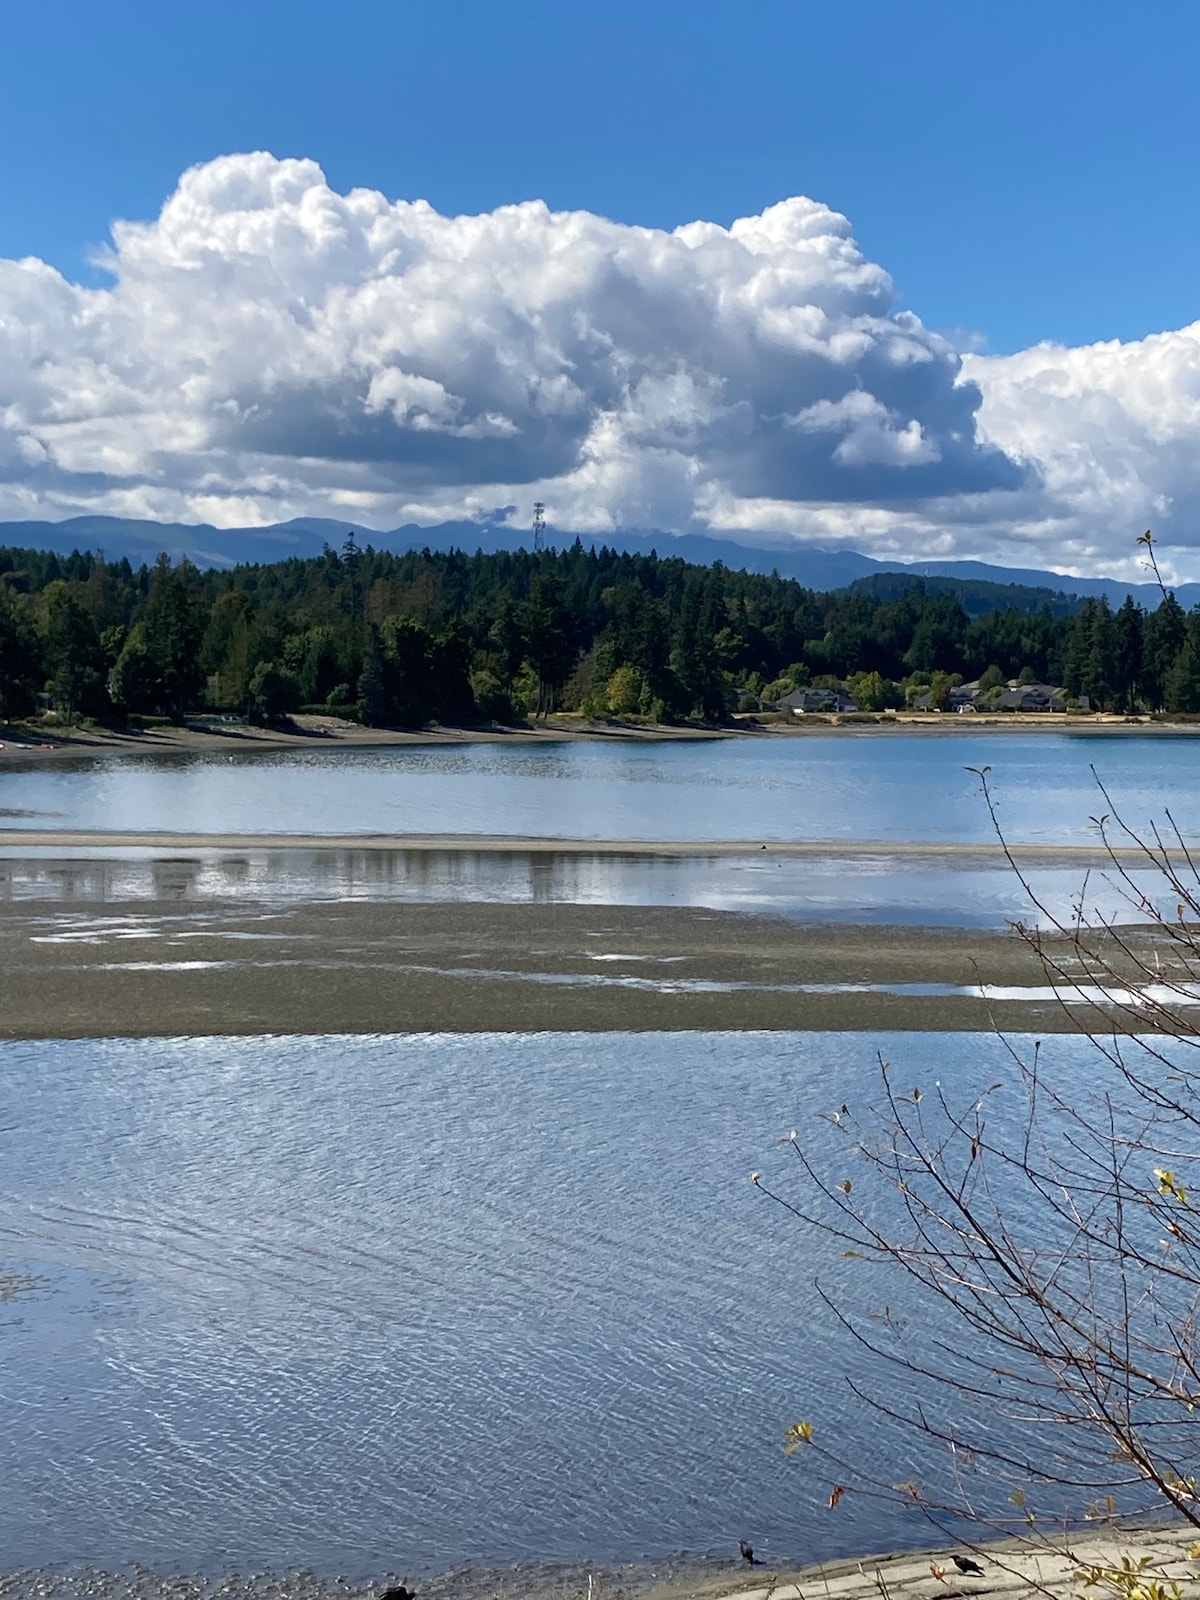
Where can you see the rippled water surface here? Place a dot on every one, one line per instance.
(404, 1302)
(866, 786)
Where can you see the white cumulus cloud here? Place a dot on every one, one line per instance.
(1114, 430)
(268, 347)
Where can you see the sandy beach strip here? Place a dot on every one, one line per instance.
(965, 852)
(158, 969)
(1052, 1562)
(1048, 1563)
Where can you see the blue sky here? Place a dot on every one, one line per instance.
(283, 333)
(1024, 170)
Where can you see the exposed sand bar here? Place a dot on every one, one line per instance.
(157, 969)
(964, 852)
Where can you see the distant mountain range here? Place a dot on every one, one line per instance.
(307, 536)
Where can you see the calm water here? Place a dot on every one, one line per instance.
(401, 1302)
(880, 889)
(845, 787)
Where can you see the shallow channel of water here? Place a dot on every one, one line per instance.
(849, 786)
(880, 889)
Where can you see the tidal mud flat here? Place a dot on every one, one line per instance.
(161, 969)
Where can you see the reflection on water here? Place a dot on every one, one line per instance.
(872, 889)
(869, 786)
(380, 1303)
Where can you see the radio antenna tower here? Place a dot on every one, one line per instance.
(539, 525)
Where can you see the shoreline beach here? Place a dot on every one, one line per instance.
(323, 733)
(1049, 1564)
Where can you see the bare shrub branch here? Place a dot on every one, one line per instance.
(1046, 1226)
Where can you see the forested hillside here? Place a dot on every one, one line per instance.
(976, 595)
(446, 636)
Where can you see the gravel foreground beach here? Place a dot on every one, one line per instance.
(1050, 1565)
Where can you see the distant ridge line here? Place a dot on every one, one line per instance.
(304, 537)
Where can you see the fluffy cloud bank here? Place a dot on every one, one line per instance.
(1115, 432)
(269, 348)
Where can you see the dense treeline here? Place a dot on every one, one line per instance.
(976, 595)
(451, 637)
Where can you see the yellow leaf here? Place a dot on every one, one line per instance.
(800, 1433)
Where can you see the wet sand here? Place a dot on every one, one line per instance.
(159, 969)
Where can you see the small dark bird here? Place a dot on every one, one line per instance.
(966, 1565)
(746, 1549)
(398, 1593)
